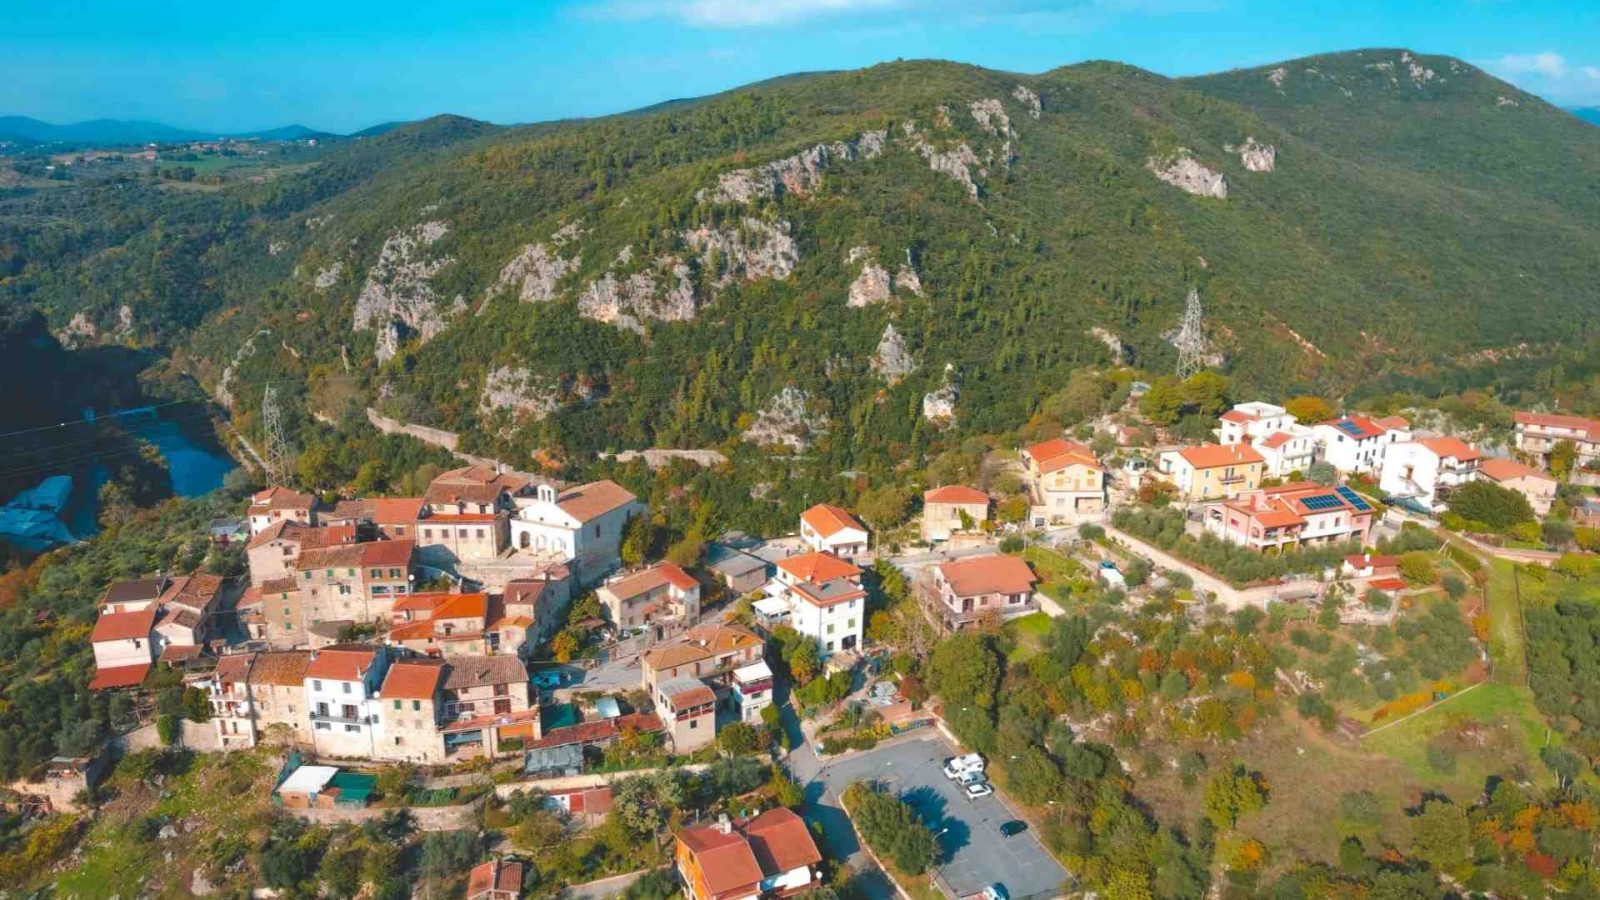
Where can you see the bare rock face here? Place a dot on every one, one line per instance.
(1184, 172)
(535, 272)
(529, 397)
(276, 247)
(872, 286)
(893, 361)
(246, 350)
(1504, 101)
(798, 174)
(1112, 342)
(1420, 74)
(908, 279)
(786, 421)
(956, 162)
(398, 300)
(757, 250)
(663, 294)
(991, 116)
(80, 330)
(328, 277)
(1029, 98)
(939, 407)
(1256, 156)
(1276, 76)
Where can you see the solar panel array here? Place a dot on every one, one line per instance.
(1349, 427)
(1354, 498)
(1321, 502)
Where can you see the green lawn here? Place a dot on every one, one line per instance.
(1491, 729)
(1028, 631)
(1505, 625)
(1054, 570)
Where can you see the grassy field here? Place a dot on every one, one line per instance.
(1028, 631)
(1054, 570)
(1490, 729)
(1505, 625)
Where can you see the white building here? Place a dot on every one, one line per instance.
(342, 686)
(833, 529)
(580, 526)
(1285, 445)
(1357, 443)
(752, 690)
(824, 599)
(1427, 469)
(124, 647)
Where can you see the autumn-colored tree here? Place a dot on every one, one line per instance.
(1309, 409)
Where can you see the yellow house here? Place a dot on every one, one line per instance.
(1212, 471)
(1065, 481)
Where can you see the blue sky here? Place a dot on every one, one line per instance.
(345, 64)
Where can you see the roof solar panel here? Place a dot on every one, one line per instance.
(1322, 501)
(1355, 499)
(1349, 427)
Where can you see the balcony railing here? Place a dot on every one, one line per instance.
(337, 718)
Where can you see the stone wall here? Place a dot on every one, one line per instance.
(428, 818)
(435, 436)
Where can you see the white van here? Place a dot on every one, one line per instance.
(957, 766)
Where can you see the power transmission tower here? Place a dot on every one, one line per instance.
(277, 449)
(1191, 339)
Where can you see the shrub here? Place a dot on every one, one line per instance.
(1441, 759)
(891, 828)
(1497, 507)
(1359, 808)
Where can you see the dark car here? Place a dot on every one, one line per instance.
(1013, 828)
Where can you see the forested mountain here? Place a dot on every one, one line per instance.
(892, 254)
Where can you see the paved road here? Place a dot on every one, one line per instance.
(973, 852)
(605, 888)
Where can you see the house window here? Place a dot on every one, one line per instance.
(395, 573)
(427, 533)
(480, 534)
(324, 726)
(352, 729)
(399, 531)
(377, 573)
(694, 723)
(347, 687)
(597, 530)
(416, 705)
(316, 685)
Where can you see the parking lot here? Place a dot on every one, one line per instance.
(973, 852)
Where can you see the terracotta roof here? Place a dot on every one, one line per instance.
(1450, 446)
(198, 591)
(495, 875)
(133, 590)
(118, 677)
(524, 592)
(818, 566)
(284, 668)
(988, 575)
(1556, 420)
(1388, 584)
(596, 732)
(282, 498)
(462, 606)
(651, 579)
(700, 642)
(1393, 423)
(341, 662)
(593, 500)
(1238, 415)
(1058, 453)
(1362, 428)
(955, 493)
(828, 520)
(412, 679)
(782, 841)
(234, 667)
(476, 671)
(684, 692)
(726, 860)
(1497, 469)
(355, 556)
(459, 518)
(386, 553)
(1362, 560)
(1211, 456)
(380, 510)
(284, 585)
(286, 529)
(1277, 439)
(125, 626)
(1268, 511)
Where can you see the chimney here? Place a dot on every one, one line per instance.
(724, 824)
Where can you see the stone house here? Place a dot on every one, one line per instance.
(951, 509)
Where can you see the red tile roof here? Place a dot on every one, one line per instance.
(988, 575)
(282, 668)
(459, 518)
(727, 862)
(1556, 420)
(346, 663)
(282, 498)
(1364, 428)
(587, 502)
(1211, 456)
(118, 677)
(125, 626)
(772, 843)
(650, 579)
(1277, 439)
(1058, 453)
(1450, 446)
(598, 731)
(828, 520)
(955, 493)
(782, 841)
(1238, 415)
(1498, 469)
(819, 566)
(495, 875)
(412, 680)
(1362, 560)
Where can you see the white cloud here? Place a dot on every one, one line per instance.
(1550, 75)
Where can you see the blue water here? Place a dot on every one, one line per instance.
(194, 472)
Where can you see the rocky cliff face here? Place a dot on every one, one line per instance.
(939, 406)
(328, 277)
(1256, 156)
(956, 162)
(991, 116)
(786, 421)
(664, 293)
(756, 250)
(398, 299)
(797, 174)
(893, 360)
(1184, 172)
(535, 272)
(1029, 99)
(529, 397)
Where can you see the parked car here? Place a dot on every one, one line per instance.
(980, 789)
(1013, 828)
(955, 766)
(996, 891)
(971, 776)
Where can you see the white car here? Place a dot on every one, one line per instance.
(971, 776)
(956, 766)
(979, 789)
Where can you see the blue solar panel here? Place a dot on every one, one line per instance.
(1321, 502)
(1349, 427)
(1354, 498)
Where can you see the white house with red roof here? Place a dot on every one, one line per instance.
(1304, 514)
(771, 855)
(1356, 443)
(124, 647)
(342, 684)
(278, 504)
(1425, 470)
(951, 509)
(581, 527)
(1284, 444)
(663, 599)
(1065, 481)
(977, 587)
(819, 595)
(833, 529)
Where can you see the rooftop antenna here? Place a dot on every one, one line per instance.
(277, 455)
(1191, 339)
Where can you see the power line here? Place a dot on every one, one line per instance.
(277, 452)
(1191, 339)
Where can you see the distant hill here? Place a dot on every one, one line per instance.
(1589, 114)
(847, 259)
(110, 132)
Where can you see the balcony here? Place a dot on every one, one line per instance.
(332, 718)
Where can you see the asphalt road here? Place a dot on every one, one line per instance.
(973, 854)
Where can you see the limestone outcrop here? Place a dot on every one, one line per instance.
(1030, 99)
(798, 174)
(664, 293)
(1256, 156)
(755, 251)
(786, 421)
(1184, 172)
(398, 300)
(893, 360)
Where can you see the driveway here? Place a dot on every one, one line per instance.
(973, 854)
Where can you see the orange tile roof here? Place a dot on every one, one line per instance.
(1498, 469)
(118, 676)
(282, 498)
(828, 520)
(1450, 446)
(341, 663)
(726, 861)
(650, 579)
(1211, 456)
(1366, 428)
(1556, 420)
(462, 606)
(701, 642)
(1058, 453)
(782, 841)
(955, 493)
(124, 626)
(1362, 560)
(1394, 423)
(1270, 512)
(495, 875)
(459, 518)
(284, 668)
(988, 575)
(591, 501)
(1238, 415)
(412, 679)
(818, 566)
(1277, 439)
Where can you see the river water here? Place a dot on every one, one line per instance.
(195, 471)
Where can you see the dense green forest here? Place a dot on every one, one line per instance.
(1421, 225)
